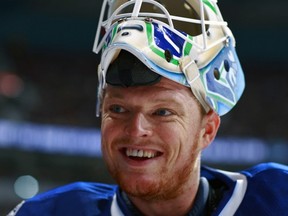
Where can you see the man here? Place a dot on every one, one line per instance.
(161, 92)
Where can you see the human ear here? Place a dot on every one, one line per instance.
(210, 125)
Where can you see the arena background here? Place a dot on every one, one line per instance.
(49, 135)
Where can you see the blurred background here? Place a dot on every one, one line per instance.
(49, 135)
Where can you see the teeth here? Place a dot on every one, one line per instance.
(140, 153)
(134, 153)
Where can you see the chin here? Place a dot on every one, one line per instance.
(150, 189)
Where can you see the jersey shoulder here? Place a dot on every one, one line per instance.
(78, 198)
(265, 169)
(260, 190)
(267, 190)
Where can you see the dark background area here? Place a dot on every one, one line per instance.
(46, 47)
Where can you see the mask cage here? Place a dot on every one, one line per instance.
(141, 9)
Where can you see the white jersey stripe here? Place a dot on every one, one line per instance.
(238, 194)
(115, 210)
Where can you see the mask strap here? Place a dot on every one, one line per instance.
(192, 74)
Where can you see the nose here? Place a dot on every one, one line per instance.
(138, 126)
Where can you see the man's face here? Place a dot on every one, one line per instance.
(152, 138)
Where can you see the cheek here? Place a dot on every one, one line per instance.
(185, 137)
(108, 133)
(175, 139)
(177, 131)
(109, 128)
(167, 132)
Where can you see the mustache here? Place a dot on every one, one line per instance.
(127, 141)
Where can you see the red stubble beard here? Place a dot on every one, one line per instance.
(168, 184)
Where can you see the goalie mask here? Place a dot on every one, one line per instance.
(186, 41)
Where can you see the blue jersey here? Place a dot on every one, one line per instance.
(261, 190)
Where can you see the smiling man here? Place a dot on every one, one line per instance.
(152, 138)
(168, 71)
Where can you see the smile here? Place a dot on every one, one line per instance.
(140, 153)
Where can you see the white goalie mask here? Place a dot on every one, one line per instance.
(186, 41)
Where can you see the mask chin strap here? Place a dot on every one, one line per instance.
(101, 85)
(192, 74)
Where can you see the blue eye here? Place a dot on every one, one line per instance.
(116, 109)
(163, 112)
